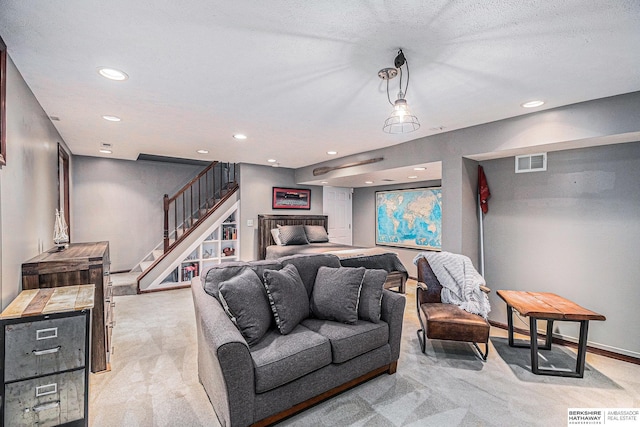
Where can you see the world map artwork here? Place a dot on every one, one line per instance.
(410, 218)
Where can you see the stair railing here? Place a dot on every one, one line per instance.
(196, 199)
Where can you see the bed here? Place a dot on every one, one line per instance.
(350, 256)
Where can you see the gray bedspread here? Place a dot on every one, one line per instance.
(350, 256)
(275, 251)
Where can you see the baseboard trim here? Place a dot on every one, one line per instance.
(168, 288)
(561, 341)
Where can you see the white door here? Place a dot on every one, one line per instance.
(336, 204)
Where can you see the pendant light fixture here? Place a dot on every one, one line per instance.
(401, 120)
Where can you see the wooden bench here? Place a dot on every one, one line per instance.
(550, 307)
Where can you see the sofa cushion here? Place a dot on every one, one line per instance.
(336, 292)
(292, 235)
(316, 234)
(219, 273)
(349, 341)
(263, 265)
(245, 301)
(308, 264)
(279, 359)
(287, 297)
(371, 295)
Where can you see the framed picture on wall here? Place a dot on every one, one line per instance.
(3, 102)
(410, 218)
(291, 198)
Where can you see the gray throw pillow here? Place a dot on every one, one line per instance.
(292, 235)
(287, 297)
(371, 295)
(336, 292)
(316, 234)
(245, 302)
(219, 273)
(308, 264)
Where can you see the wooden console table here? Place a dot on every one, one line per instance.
(549, 307)
(79, 263)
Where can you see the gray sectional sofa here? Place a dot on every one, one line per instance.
(257, 374)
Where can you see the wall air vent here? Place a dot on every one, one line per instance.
(531, 163)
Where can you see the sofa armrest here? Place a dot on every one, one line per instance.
(225, 367)
(392, 312)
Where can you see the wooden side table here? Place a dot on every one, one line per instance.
(45, 375)
(549, 307)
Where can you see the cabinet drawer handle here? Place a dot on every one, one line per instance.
(45, 406)
(47, 351)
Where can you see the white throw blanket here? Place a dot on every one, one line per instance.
(460, 281)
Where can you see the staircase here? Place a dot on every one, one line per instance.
(189, 217)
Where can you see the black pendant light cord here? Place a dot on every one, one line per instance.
(399, 61)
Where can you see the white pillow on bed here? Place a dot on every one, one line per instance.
(276, 236)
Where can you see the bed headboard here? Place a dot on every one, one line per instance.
(267, 222)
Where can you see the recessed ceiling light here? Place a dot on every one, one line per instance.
(272, 160)
(368, 182)
(324, 182)
(202, 151)
(332, 153)
(112, 73)
(532, 104)
(240, 136)
(105, 151)
(419, 168)
(112, 118)
(413, 177)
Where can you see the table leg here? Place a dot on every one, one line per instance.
(533, 332)
(510, 324)
(549, 338)
(582, 348)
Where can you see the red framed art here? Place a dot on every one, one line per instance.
(291, 198)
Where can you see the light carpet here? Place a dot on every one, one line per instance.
(154, 381)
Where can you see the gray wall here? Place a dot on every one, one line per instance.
(608, 120)
(256, 183)
(121, 201)
(573, 230)
(364, 219)
(28, 183)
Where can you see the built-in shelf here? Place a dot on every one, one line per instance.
(221, 245)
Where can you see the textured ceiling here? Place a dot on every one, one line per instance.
(299, 77)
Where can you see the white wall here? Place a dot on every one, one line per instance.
(573, 230)
(28, 183)
(256, 184)
(364, 220)
(121, 201)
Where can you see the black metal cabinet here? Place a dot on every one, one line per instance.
(45, 360)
